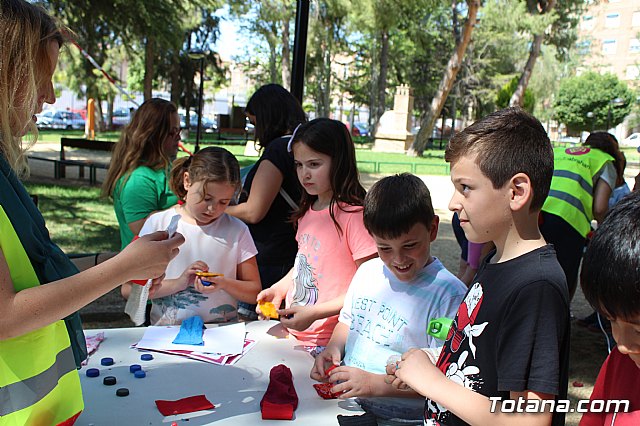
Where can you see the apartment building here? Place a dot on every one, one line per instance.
(609, 37)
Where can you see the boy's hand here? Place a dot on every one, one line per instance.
(271, 294)
(326, 359)
(417, 371)
(297, 317)
(391, 378)
(353, 382)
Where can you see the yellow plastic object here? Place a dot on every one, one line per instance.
(268, 309)
(205, 274)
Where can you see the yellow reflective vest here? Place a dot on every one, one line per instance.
(572, 185)
(39, 383)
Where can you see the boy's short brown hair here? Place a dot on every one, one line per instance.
(508, 142)
(394, 204)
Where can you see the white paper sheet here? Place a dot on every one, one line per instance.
(227, 339)
(137, 302)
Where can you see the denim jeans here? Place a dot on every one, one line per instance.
(390, 414)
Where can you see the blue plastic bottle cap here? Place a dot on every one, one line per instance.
(93, 372)
(140, 374)
(106, 361)
(134, 367)
(146, 357)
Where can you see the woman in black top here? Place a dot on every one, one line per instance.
(275, 113)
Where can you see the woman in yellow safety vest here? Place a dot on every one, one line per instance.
(583, 179)
(41, 340)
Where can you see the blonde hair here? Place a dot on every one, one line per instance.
(25, 33)
(211, 164)
(141, 143)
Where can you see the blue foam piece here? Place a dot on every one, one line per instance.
(190, 332)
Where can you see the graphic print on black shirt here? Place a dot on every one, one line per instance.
(460, 338)
(510, 333)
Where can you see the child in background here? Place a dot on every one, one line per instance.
(390, 301)
(214, 242)
(610, 281)
(332, 239)
(471, 254)
(510, 337)
(622, 189)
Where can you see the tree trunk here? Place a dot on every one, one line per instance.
(326, 93)
(188, 95)
(273, 70)
(382, 77)
(517, 99)
(286, 56)
(176, 88)
(149, 55)
(102, 126)
(453, 66)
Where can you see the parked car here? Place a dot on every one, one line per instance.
(360, 129)
(435, 133)
(121, 117)
(569, 139)
(57, 119)
(208, 125)
(633, 140)
(250, 129)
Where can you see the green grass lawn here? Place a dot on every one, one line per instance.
(79, 221)
(432, 162)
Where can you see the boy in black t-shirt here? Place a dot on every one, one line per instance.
(508, 346)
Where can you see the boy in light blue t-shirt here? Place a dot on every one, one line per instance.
(390, 301)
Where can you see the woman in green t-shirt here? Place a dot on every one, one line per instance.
(137, 179)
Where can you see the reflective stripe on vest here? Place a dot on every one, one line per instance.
(19, 395)
(39, 384)
(571, 193)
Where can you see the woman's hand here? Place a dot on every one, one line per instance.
(147, 257)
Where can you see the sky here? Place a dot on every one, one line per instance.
(227, 45)
(231, 42)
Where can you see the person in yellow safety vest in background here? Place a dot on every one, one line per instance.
(583, 179)
(41, 339)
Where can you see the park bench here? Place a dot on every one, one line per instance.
(60, 164)
(232, 134)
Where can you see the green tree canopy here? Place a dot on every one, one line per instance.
(595, 93)
(506, 91)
